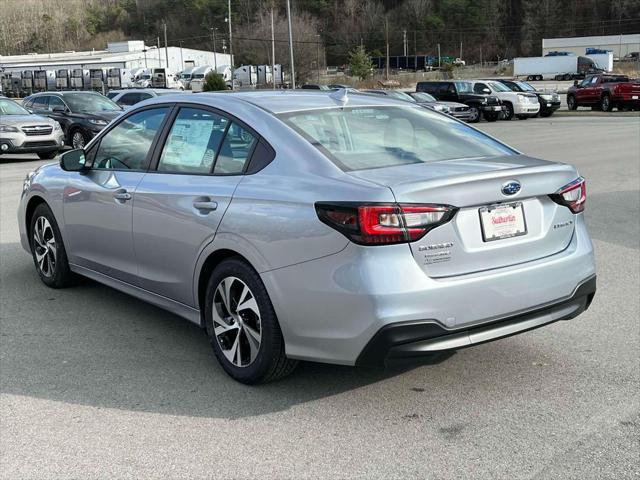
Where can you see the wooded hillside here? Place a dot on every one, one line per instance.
(501, 28)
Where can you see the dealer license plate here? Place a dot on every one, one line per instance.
(504, 220)
(634, 97)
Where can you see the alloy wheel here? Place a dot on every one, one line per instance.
(45, 247)
(475, 114)
(236, 321)
(606, 103)
(77, 140)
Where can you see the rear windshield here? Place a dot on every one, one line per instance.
(360, 138)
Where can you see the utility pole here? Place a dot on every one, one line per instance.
(181, 59)
(145, 56)
(460, 57)
(231, 49)
(215, 58)
(386, 34)
(480, 55)
(159, 58)
(166, 47)
(318, 56)
(439, 56)
(405, 46)
(273, 52)
(293, 69)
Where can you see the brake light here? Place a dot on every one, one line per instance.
(573, 195)
(383, 224)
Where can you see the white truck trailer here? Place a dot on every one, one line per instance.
(561, 67)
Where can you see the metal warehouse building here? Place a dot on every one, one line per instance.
(620, 45)
(131, 54)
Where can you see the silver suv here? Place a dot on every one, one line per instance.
(23, 132)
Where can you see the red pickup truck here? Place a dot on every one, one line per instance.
(604, 92)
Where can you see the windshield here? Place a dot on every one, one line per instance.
(499, 87)
(185, 75)
(145, 77)
(199, 75)
(359, 138)
(464, 87)
(9, 107)
(423, 97)
(90, 103)
(525, 87)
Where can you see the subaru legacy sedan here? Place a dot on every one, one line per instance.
(318, 226)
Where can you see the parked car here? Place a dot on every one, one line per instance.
(81, 114)
(433, 104)
(130, 96)
(604, 92)
(461, 91)
(338, 86)
(549, 102)
(23, 132)
(631, 57)
(520, 105)
(455, 109)
(315, 86)
(394, 231)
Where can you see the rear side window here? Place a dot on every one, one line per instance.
(235, 151)
(40, 103)
(193, 143)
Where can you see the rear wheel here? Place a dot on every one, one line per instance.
(474, 114)
(242, 325)
(572, 103)
(47, 249)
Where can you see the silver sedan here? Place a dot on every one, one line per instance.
(323, 226)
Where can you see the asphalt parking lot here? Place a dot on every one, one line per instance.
(95, 384)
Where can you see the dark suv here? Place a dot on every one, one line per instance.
(462, 92)
(80, 114)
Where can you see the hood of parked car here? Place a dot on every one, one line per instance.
(26, 120)
(106, 115)
(453, 104)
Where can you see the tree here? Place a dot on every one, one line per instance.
(213, 82)
(360, 63)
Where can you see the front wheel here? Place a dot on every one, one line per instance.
(572, 103)
(78, 139)
(491, 116)
(605, 103)
(47, 155)
(474, 114)
(508, 113)
(47, 249)
(242, 325)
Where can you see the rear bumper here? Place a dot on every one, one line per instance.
(417, 339)
(331, 308)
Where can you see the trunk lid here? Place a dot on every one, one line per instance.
(458, 247)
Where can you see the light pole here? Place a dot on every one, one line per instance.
(318, 56)
(230, 45)
(273, 52)
(293, 69)
(215, 58)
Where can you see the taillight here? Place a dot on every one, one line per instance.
(383, 224)
(572, 195)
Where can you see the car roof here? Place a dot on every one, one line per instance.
(64, 94)
(283, 101)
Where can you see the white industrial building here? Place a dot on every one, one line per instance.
(620, 45)
(126, 55)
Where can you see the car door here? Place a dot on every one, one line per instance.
(40, 105)
(58, 110)
(447, 92)
(180, 204)
(98, 203)
(584, 93)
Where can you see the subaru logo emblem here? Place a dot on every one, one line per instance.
(511, 187)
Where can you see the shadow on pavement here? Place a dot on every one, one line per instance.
(95, 346)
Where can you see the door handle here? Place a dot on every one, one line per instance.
(122, 195)
(205, 206)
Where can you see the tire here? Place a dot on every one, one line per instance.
(530, 78)
(47, 155)
(572, 103)
(77, 139)
(233, 334)
(491, 116)
(508, 114)
(474, 114)
(47, 249)
(605, 103)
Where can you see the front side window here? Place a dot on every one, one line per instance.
(40, 103)
(193, 142)
(129, 99)
(358, 138)
(235, 151)
(56, 102)
(464, 87)
(480, 88)
(127, 145)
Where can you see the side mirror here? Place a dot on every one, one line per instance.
(59, 109)
(575, 83)
(73, 161)
(486, 91)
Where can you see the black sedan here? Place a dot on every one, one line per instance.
(80, 114)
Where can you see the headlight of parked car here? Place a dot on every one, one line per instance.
(97, 121)
(546, 97)
(441, 108)
(522, 99)
(56, 126)
(8, 128)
